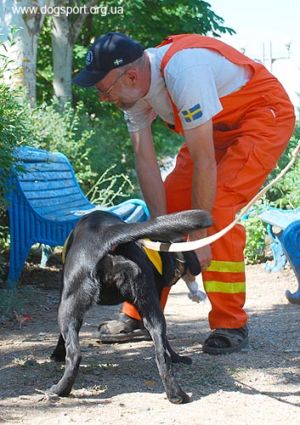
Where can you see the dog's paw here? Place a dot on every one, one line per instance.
(180, 398)
(53, 390)
(185, 360)
(56, 389)
(176, 358)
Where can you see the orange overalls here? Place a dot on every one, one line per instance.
(250, 134)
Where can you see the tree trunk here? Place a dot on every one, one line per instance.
(62, 48)
(23, 53)
(64, 34)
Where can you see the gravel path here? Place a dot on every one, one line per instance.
(120, 383)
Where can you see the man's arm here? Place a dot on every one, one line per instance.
(201, 148)
(148, 172)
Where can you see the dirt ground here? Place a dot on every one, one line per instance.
(120, 382)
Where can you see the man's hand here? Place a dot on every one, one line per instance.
(204, 254)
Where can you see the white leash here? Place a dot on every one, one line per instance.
(192, 245)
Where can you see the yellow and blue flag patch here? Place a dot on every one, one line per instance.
(193, 113)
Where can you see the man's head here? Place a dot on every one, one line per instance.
(116, 65)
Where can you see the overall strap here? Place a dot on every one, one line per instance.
(187, 41)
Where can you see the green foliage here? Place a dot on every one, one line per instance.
(151, 21)
(13, 130)
(109, 188)
(13, 117)
(65, 131)
(255, 244)
(286, 193)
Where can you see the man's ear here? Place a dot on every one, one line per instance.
(131, 77)
(192, 262)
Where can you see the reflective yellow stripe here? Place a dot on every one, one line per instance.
(155, 259)
(225, 287)
(226, 266)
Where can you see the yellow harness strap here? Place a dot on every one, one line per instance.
(63, 253)
(155, 259)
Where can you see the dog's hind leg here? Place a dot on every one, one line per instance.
(71, 311)
(73, 358)
(155, 323)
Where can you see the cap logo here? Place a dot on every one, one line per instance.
(118, 62)
(89, 58)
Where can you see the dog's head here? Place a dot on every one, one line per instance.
(177, 264)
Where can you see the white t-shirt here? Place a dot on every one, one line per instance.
(196, 79)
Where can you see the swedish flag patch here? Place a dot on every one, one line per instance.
(193, 113)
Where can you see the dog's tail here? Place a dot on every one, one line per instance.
(164, 228)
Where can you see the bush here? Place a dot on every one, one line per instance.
(286, 193)
(255, 242)
(66, 131)
(14, 131)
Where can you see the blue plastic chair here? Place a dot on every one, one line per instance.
(283, 227)
(45, 202)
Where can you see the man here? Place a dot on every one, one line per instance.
(236, 120)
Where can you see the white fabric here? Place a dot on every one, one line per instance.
(193, 77)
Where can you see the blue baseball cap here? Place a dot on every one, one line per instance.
(109, 51)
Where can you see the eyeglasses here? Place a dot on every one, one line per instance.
(107, 91)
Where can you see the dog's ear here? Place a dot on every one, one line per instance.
(192, 262)
(168, 265)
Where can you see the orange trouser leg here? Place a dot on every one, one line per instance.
(251, 153)
(224, 281)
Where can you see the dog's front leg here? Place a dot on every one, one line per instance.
(156, 325)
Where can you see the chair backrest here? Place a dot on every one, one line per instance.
(48, 182)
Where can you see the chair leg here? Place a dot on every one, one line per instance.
(47, 251)
(293, 297)
(290, 240)
(279, 258)
(18, 255)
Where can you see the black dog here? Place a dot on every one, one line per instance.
(105, 265)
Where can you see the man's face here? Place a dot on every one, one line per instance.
(121, 89)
